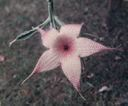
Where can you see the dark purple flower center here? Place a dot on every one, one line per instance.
(66, 47)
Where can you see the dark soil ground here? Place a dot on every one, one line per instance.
(106, 20)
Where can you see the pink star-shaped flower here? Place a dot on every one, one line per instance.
(65, 48)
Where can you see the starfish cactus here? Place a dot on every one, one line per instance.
(65, 48)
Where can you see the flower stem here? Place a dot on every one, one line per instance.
(57, 20)
(52, 20)
(51, 13)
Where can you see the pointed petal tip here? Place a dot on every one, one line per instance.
(77, 88)
(82, 96)
(113, 49)
(27, 78)
(119, 49)
(71, 29)
(82, 24)
(107, 49)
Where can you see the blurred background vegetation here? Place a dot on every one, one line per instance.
(106, 20)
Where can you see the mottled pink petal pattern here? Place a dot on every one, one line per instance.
(65, 48)
(87, 47)
(71, 30)
(48, 61)
(48, 37)
(71, 67)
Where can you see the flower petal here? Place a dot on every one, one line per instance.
(48, 37)
(48, 61)
(87, 47)
(72, 69)
(71, 30)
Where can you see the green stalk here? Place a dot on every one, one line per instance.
(52, 20)
(51, 13)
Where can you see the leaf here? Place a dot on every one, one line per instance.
(27, 34)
